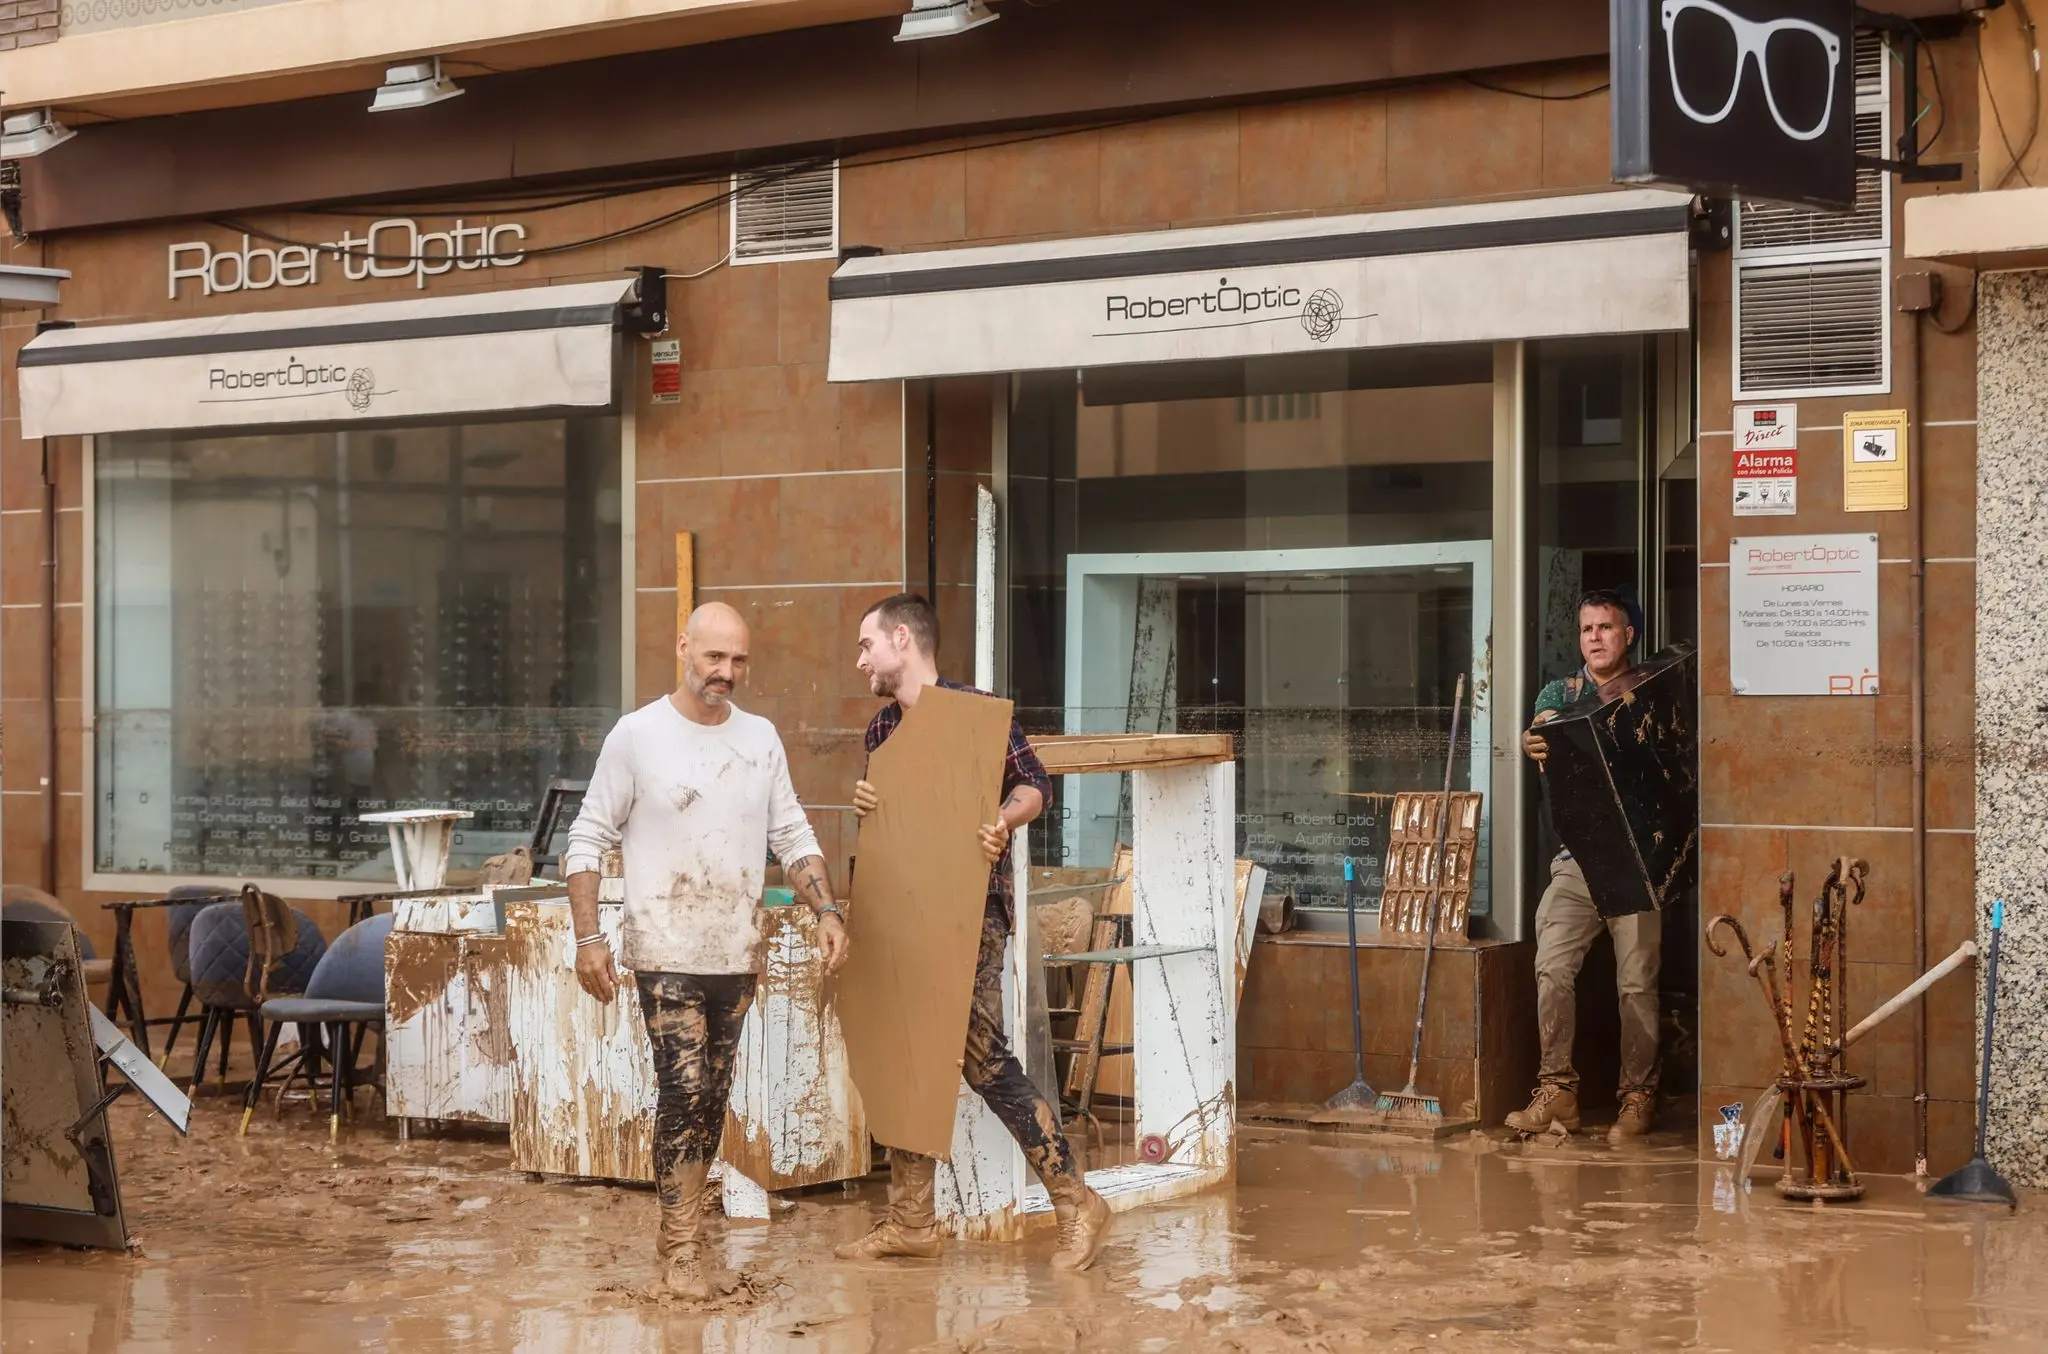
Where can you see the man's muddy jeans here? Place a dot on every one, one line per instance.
(693, 1022)
(1567, 924)
(994, 1072)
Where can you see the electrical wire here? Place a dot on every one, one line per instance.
(1940, 102)
(755, 182)
(1478, 83)
(2033, 85)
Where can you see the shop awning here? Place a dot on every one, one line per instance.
(1590, 263)
(529, 349)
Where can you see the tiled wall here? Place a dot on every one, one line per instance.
(1792, 783)
(806, 498)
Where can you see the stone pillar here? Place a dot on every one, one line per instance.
(2012, 705)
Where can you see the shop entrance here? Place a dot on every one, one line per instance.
(1334, 668)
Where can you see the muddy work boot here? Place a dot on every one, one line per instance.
(1638, 1112)
(1083, 1219)
(680, 1244)
(908, 1231)
(1552, 1108)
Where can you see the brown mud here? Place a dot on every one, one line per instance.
(284, 1242)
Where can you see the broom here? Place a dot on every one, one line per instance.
(1359, 1095)
(1409, 1105)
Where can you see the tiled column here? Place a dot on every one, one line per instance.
(2012, 704)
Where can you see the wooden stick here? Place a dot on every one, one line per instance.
(686, 588)
(1965, 951)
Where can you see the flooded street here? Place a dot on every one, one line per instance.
(282, 1242)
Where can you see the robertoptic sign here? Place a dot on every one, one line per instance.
(393, 247)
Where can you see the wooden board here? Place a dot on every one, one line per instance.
(916, 917)
(686, 588)
(1077, 754)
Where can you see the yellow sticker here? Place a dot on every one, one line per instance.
(1874, 452)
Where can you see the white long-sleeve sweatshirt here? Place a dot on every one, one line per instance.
(694, 809)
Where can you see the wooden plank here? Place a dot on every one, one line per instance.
(1109, 1075)
(1075, 754)
(686, 588)
(917, 908)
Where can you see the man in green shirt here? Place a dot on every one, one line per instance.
(1567, 923)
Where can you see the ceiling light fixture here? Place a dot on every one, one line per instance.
(942, 18)
(413, 85)
(26, 134)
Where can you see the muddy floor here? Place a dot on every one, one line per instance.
(283, 1242)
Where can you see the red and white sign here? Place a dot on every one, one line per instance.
(1766, 483)
(665, 382)
(1766, 427)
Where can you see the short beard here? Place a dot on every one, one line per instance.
(703, 691)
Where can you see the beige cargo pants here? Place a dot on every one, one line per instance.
(1567, 924)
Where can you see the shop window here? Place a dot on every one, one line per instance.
(294, 629)
(1291, 550)
(1812, 288)
(785, 213)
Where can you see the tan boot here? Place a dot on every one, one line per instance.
(1083, 1219)
(680, 1244)
(1638, 1112)
(908, 1231)
(1551, 1105)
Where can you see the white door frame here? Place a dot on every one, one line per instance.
(1091, 574)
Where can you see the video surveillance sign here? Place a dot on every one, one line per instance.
(1737, 98)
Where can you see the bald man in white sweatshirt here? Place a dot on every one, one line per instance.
(694, 792)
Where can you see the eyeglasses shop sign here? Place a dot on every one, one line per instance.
(1802, 615)
(1737, 98)
(394, 247)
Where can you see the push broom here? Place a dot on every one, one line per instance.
(1408, 1105)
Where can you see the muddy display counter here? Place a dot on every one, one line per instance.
(583, 1092)
(447, 1035)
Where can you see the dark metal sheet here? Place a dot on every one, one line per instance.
(1622, 780)
(59, 1182)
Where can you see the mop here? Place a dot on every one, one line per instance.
(1409, 1106)
(1978, 1182)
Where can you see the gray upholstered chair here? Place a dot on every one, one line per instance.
(219, 949)
(180, 916)
(346, 993)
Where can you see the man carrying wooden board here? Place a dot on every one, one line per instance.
(899, 641)
(694, 792)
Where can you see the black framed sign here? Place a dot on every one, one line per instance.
(1737, 98)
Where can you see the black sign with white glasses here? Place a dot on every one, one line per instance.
(1737, 98)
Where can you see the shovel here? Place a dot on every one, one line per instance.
(1978, 1182)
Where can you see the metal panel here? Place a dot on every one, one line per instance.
(57, 1171)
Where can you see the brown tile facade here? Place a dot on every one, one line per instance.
(807, 501)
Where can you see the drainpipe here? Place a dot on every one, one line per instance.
(53, 736)
(1917, 500)
(931, 492)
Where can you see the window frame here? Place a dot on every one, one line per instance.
(149, 884)
(1877, 250)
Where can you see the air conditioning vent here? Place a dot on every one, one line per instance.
(1774, 225)
(1811, 328)
(783, 213)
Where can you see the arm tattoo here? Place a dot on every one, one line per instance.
(811, 881)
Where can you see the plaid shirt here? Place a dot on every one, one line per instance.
(1020, 767)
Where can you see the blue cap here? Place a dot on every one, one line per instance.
(1998, 915)
(1348, 876)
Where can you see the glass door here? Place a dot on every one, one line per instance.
(1332, 669)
